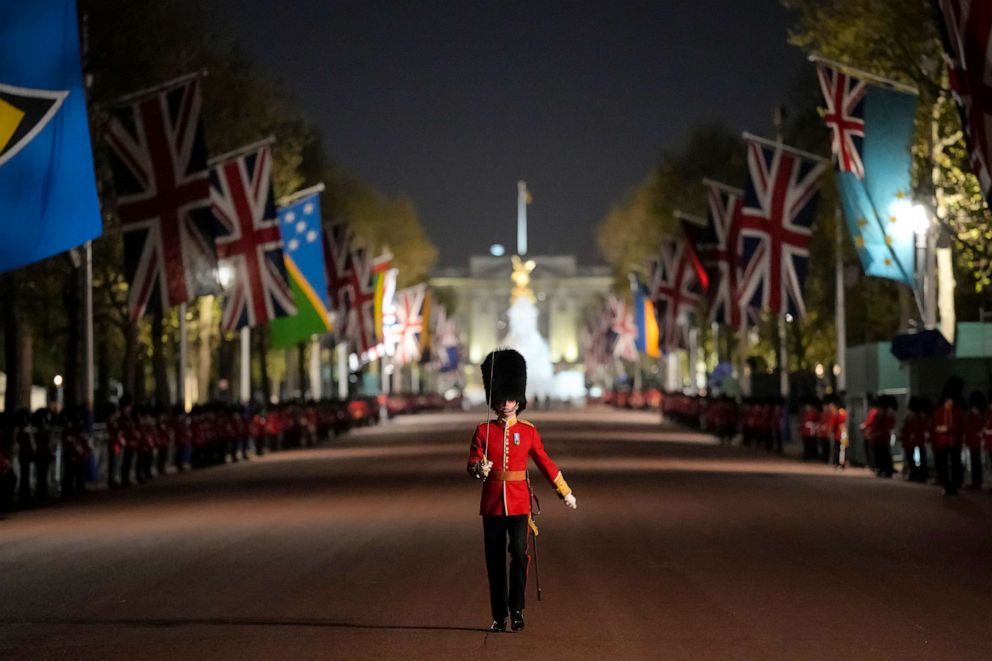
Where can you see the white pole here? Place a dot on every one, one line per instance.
(245, 365)
(783, 351)
(181, 375)
(88, 395)
(840, 311)
(316, 387)
(342, 361)
(521, 218)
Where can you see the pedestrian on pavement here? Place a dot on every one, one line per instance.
(498, 455)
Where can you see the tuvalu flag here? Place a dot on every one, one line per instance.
(303, 254)
(872, 131)
(47, 186)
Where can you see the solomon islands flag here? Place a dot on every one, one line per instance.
(302, 245)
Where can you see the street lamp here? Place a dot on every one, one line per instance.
(58, 390)
(226, 275)
(914, 218)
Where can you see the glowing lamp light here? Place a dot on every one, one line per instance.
(910, 217)
(226, 275)
(497, 250)
(819, 370)
(788, 318)
(57, 380)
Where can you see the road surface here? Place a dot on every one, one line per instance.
(371, 547)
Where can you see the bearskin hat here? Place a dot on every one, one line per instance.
(504, 374)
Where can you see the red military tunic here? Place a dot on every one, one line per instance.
(510, 445)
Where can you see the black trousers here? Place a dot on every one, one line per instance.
(504, 534)
(948, 462)
(976, 467)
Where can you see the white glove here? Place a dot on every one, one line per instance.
(570, 502)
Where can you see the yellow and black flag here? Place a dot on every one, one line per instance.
(47, 182)
(23, 114)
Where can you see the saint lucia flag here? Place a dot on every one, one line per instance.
(647, 324)
(47, 187)
(872, 128)
(302, 245)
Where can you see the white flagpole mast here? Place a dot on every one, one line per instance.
(245, 364)
(521, 218)
(316, 386)
(783, 349)
(181, 372)
(88, 395)
(840, 312)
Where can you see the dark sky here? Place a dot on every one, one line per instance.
(453, 102)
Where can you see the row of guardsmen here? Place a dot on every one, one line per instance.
(136, 443)
(954, 430)
(759, 420)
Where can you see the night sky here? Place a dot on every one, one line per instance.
(453, 102)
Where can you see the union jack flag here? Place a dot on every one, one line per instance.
(967, 30)
(358, 303)
(675, 290)
(250, 244)
(594, 339)
(776, 217)
(337, 245)
(718, 247)
(844, 97)
(624, 329)
(159, 162)
(445, 342)
(409, 327)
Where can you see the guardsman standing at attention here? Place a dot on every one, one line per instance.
(498, 455)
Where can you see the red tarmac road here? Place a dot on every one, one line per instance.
(371, 547)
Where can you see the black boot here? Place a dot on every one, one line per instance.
(516, 620)
(499, 626)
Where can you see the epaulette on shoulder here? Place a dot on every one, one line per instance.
(526, 422)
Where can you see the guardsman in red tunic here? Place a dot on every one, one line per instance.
(977, 412)
(947, 432)
(808, 428)
(838, 430)
(881, 435)
(499, 454)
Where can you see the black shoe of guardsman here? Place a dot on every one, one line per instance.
(499, 626)
(516, 620)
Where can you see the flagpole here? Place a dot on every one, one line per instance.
(316, 386)
(148, 91)
(840, 312)
(865, 75)
(342, 364)
(521, 218)
(88, 312)
(286, 200)
(240, 151)
(245, 364)
(181, 373)
(783, 349)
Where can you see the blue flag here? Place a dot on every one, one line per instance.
(303, 253)
(872, 129)
(48, 195)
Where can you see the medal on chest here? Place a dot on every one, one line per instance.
(516, 438)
